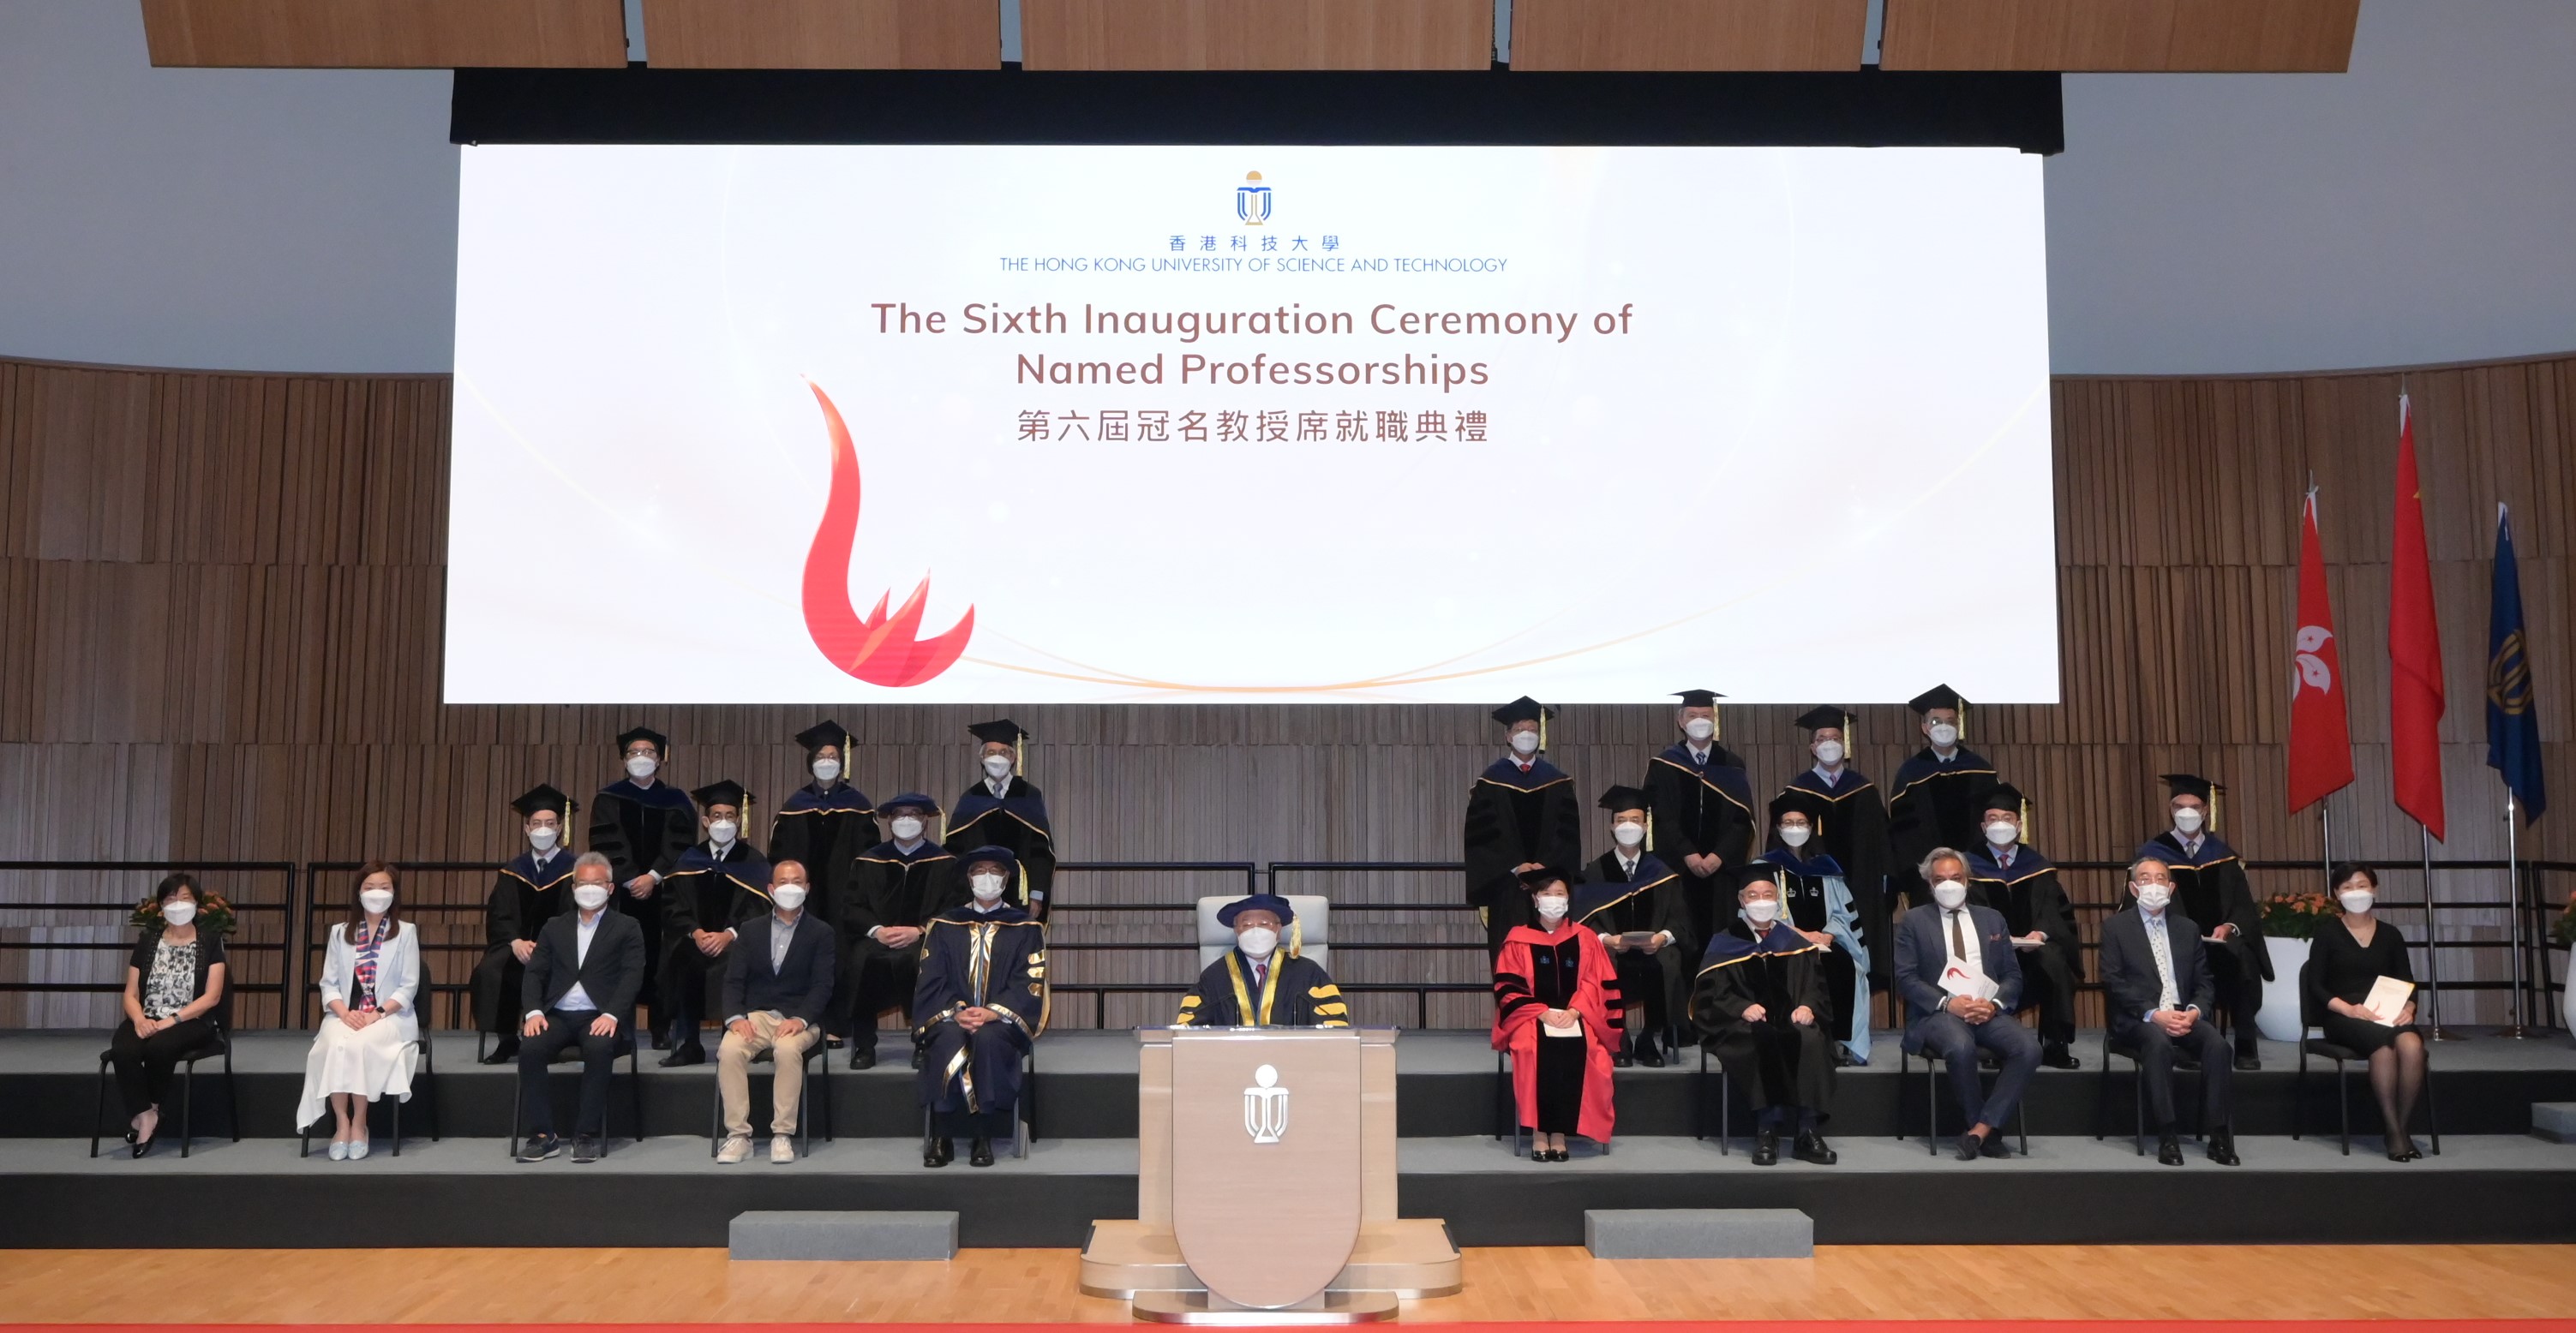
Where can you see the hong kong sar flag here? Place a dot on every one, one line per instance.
(2320, 734)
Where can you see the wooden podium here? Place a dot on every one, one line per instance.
(1265, 1184)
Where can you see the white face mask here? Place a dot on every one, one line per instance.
(1829, 752)
(2356, 901)
(2153, 897)
(722, 831)
(376, 900)
(592, 897)
(1551, 906)
(1258, 942)
(642, 766)
(997, 765)
(1700, 728)
(178, 911)
(1762, 911)
(1628, 835)
(826, 769)
(2003, 833)
(1944, 735)
(987, 888)
(906, 828)
(543, 839)
(789, 896)
(1949, 893)
(2188, 819)
(1795, 835)
(1525, 742)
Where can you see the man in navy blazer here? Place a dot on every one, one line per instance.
(777, 988)
(2157, 999)
(1949, 954)
(579, 987)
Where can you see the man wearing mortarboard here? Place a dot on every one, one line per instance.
(642, 825)
(2209, 886)
(1632, 900)
(895, 888)
(1258, 983)
(980, 1005)
(823, 826)
(1760, 1005)
(1521, 815)
(1007, 811)
(1939, 794)
(2009, 875)
(1703, 804)
(1816, 901)
(1852, 829)
(715, 885)
(526, 894)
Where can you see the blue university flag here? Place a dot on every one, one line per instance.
(2513, 728)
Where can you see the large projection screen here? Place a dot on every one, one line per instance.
(1249, 424)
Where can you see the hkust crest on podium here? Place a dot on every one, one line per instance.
(1265, 1184)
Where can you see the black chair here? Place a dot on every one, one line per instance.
(1986, 1061)
(1507, 1108)
(1024, 1119)
(218, 1042)
(2313, 1042)
(424, 1085)
(1725, 1105)
(2138, 1085)
(816, 1088)
(626, 1047)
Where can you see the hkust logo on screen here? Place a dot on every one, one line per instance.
(1252, 200)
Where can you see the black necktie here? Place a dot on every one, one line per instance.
(1958, 941)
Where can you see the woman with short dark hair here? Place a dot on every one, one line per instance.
(370, 1039)
(2347, 957)
(173, 983)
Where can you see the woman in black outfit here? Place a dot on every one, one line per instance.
(2349, 955)
(173, 984)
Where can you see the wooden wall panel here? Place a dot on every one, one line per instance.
(823, 34)
(386, 34)
(2264, 36)
(1256, 34)
(221, 600)
(1689, 34)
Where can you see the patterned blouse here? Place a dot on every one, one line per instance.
(172, 983)
(370, 941)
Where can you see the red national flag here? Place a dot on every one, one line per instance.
(2320, 733)
(2414, 650)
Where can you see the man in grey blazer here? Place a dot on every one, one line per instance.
(580, 987)
(1961, 983)
(2157, 987)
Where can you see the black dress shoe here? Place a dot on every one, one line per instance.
(661, 1042)
(686, 1055)
(2169, 1149)
(919, 1056)
(1621, 1059)
(832, 1043)
(863, 1058)
(2055, 1055)
(1766, 1148)
(2401, 1149)
(1970, 1147)
(585, 1148)
(539, 1147)
(1810, 1147)
(143, 1147)
(2248, 1062)
(940, 1152)
(1560, 1155)
(2222, 1149)
(504, 1053)
(1649, 1055)
(1994, 1146)
(979, 1152)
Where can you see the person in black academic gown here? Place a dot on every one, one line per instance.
(1703, 805)
(1521, 815)
(1632, 900)
(2210, 887)
(1257, 983)
(1852, 829)
(2010, 876)
(823, 826)
(980, 1005)
(1007, 811)
(895, 888)
(526, 894)
(714, 886)
(641, 825)
(1937, 795)
(1759, 1005)
(1816, 901)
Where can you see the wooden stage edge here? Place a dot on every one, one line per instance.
(2266, 1286)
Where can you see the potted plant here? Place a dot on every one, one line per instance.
(2290, 921)
(214, 913)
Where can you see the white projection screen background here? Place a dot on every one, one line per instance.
(1249, 424)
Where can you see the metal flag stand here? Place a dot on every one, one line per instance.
(2514, 1027)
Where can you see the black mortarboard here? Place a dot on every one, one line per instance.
(824, 733)
(1805, 802)
(914, 799)
(1000, 856)
(1523, 709)
(999, 731)
(1544, 876)
(1826, 715)
(1626, 798)
(1939, 696)
(2006, 796)
(1699, 698)
(2184, 784)
(661, 743)
(543, 797)
(1259, 902)
(727, 792)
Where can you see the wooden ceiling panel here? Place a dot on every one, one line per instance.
(1689, 34)
(1256, 34)
(385, 34)
(823, 34)
(2144, 36)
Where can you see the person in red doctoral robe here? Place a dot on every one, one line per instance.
(1557, 1010)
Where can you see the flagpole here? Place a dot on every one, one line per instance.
(2514, 1028)
(2433, 943)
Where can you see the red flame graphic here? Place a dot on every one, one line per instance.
(880, 650)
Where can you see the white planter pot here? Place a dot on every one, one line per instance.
(2279, 1017)
(2567, 998)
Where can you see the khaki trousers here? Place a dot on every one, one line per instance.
(733, 1073)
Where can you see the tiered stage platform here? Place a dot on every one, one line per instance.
(2492, 1183)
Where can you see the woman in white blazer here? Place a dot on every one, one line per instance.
(370, 1039)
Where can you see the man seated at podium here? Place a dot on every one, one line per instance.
(980, 1003)
(1557, 1007)
(1761, 1005)
(1256, 986)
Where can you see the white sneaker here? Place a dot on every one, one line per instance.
(782, 1149)
(339, 1151)
(736, 1147)
(358, 1151)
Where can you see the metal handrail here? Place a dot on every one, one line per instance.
(283, 945)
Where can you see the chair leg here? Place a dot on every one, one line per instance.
(232, 1101)
(1903, 1067)
(2432, 1118)
(99, 1116)
(634, 1096)
(429, 1089)
(2021, 1124)
(2299, 1090)
(1028, 1095)
(1725, 1114)
(187, 1109)
(1931, 1111)
(2138, 1090)
(518, 1109)
(2343, 1107)
(396, 1113)
(2102, 1098)
(715, 1122)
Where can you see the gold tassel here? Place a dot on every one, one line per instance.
(1296, 936)
(2215, 791)
(1963, 720)
(1542, 728)
(1024, 884)
(2025, 820)
(1019, 754)
(1716, 725)
(1650, 830)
